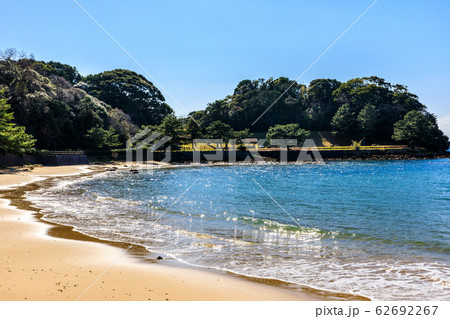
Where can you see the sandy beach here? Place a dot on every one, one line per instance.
(36, 266)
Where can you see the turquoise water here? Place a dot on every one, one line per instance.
(375, 228)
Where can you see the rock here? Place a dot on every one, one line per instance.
(159, 257)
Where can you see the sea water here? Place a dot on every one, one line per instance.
(374, 228)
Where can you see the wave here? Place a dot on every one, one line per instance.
(350, 262)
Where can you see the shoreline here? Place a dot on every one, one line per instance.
(123, 281)
(273, 156)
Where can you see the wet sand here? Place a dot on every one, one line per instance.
(37, 266)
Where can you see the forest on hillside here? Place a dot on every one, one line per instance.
(49, 105)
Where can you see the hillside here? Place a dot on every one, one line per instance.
(63, 110)
(52, 102)
(367, 108)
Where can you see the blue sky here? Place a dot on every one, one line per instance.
(200, 50)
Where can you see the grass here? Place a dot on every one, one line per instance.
(188, 148)
(371, 147)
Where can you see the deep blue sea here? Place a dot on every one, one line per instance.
(374, 228)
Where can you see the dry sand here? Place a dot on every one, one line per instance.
(36, 266)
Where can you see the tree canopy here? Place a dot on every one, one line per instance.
(130, 92)
(55, 112)
(251, 98)
(420, 129)
(360, 108)
(100, 139)
(344, 122)
(51, 68)
(288, 131)
(49, 100)
(13, 138)
(64, 110)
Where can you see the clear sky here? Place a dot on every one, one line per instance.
(199, 50)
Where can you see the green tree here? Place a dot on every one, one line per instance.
(239, 136)
(56, 113)
(101, 139)
(393, 101)
(130, 92)
(344, 122)
(219, 130)
(50, 100)
(369, 119)
(66, 71)
(282, 98)
(13, 138)
(288, 131)
(320, 103)
(420, 129)
(193, 131)
(171, 126)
